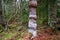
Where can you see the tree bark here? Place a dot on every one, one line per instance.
(1, 14)
(2, 19)
(32, 21)
(52, 14)
(49, 12)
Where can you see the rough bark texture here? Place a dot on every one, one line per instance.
(32, 21)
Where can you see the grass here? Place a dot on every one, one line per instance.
(7, 35)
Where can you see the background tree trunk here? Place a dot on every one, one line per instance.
(2, 19)
(52, 13)
(49, 12)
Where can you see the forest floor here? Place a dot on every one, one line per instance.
(43, 34)
(46, 34)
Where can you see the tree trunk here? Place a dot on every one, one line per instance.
(49, 12)
(52, 14)
(32, 21)
(2, 19)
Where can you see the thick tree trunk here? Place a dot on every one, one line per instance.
(32, 21)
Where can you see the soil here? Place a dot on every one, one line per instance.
(46, 34)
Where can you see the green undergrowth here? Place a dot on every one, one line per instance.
(7, 35)
(12, 31)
